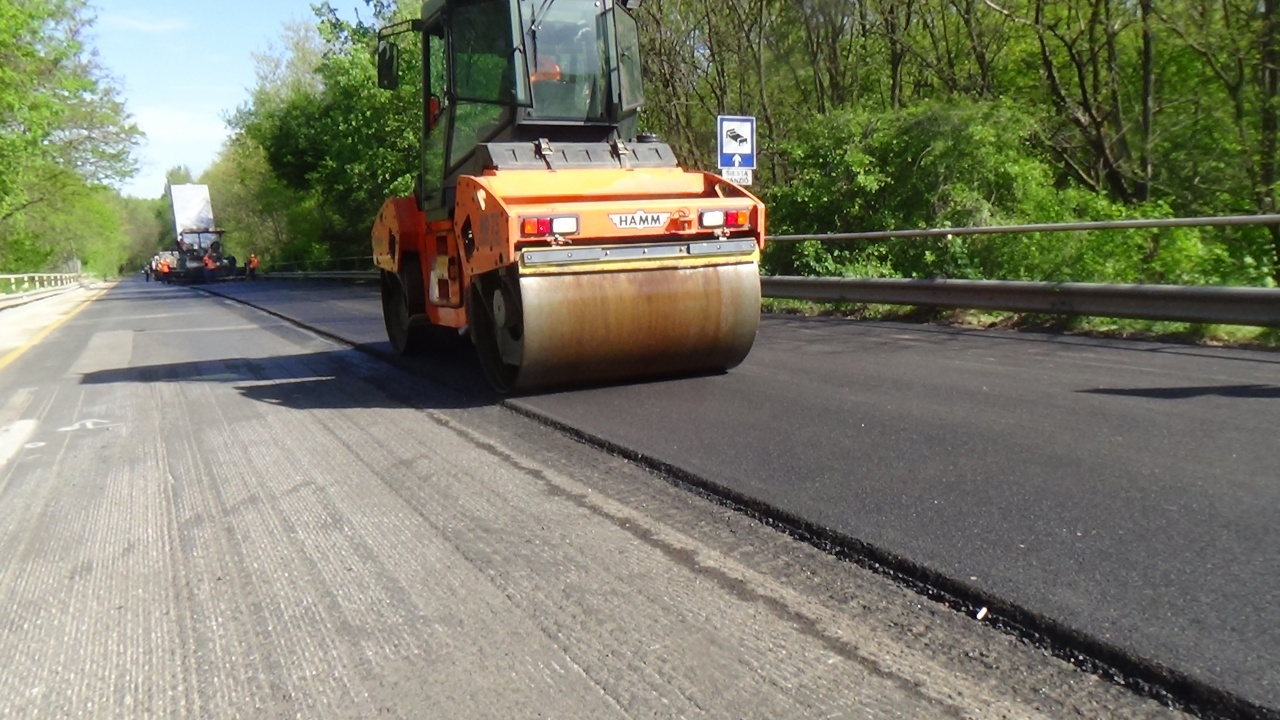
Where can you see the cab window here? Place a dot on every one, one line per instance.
(483, 53)
(567, 50)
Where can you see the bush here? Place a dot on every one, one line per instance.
(966, 164)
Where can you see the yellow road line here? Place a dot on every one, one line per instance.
(15, 353)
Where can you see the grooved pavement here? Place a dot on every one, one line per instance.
(216, 514)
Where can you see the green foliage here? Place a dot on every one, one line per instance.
(965, 164)
(873, 115)
(81, 227)
(64, 135)
(326, 152)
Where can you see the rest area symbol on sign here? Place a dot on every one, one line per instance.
(736, 144)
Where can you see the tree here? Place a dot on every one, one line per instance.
(64, 132)
(329, 135)
(873, 114)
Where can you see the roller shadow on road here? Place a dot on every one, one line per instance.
(331, 380)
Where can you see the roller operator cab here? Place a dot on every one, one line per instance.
(571, 250)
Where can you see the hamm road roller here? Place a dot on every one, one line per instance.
(571, 249)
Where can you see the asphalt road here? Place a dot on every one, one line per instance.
(1123, 495)
(207, 511)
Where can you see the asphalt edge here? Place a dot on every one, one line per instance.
(1110, 662)
(1105, 660)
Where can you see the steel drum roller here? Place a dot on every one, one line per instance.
(624, 325)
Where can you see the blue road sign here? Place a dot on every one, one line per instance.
(737, 141)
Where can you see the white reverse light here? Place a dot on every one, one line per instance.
(713, 219)
(564, 225)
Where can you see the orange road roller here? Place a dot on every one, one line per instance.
(570, 249)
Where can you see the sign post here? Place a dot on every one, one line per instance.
(736, 146)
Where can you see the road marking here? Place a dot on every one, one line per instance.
(17, 352)
(107, 350)
(13, 437)
(224, 328)
(155, 316)
(88, 424)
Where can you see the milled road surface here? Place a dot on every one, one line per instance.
(1124, 494)
(209, 512)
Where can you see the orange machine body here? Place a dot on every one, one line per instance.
(613, 209)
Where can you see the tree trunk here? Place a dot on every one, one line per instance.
(897, 52)
(762, 80)
(1270, 77)
(1148, 100)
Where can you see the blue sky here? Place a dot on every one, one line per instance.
(183, 66)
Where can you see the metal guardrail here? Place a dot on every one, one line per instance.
(18, 290)
(323, 275)
(1179, 303)
(1224, 221)
(13, 284)
(342, 264)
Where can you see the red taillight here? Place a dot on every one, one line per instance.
(558, 225)
(736, 218)
(535, 226)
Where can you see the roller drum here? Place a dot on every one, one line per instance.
(580, 328)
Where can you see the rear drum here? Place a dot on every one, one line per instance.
(543, 331)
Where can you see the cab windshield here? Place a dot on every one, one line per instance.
(567, 48)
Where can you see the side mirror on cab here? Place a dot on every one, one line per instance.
(433, 112)
(388, 65)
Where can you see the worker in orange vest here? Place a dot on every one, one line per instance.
(253, 266)
(164, 270)
(210, 267)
